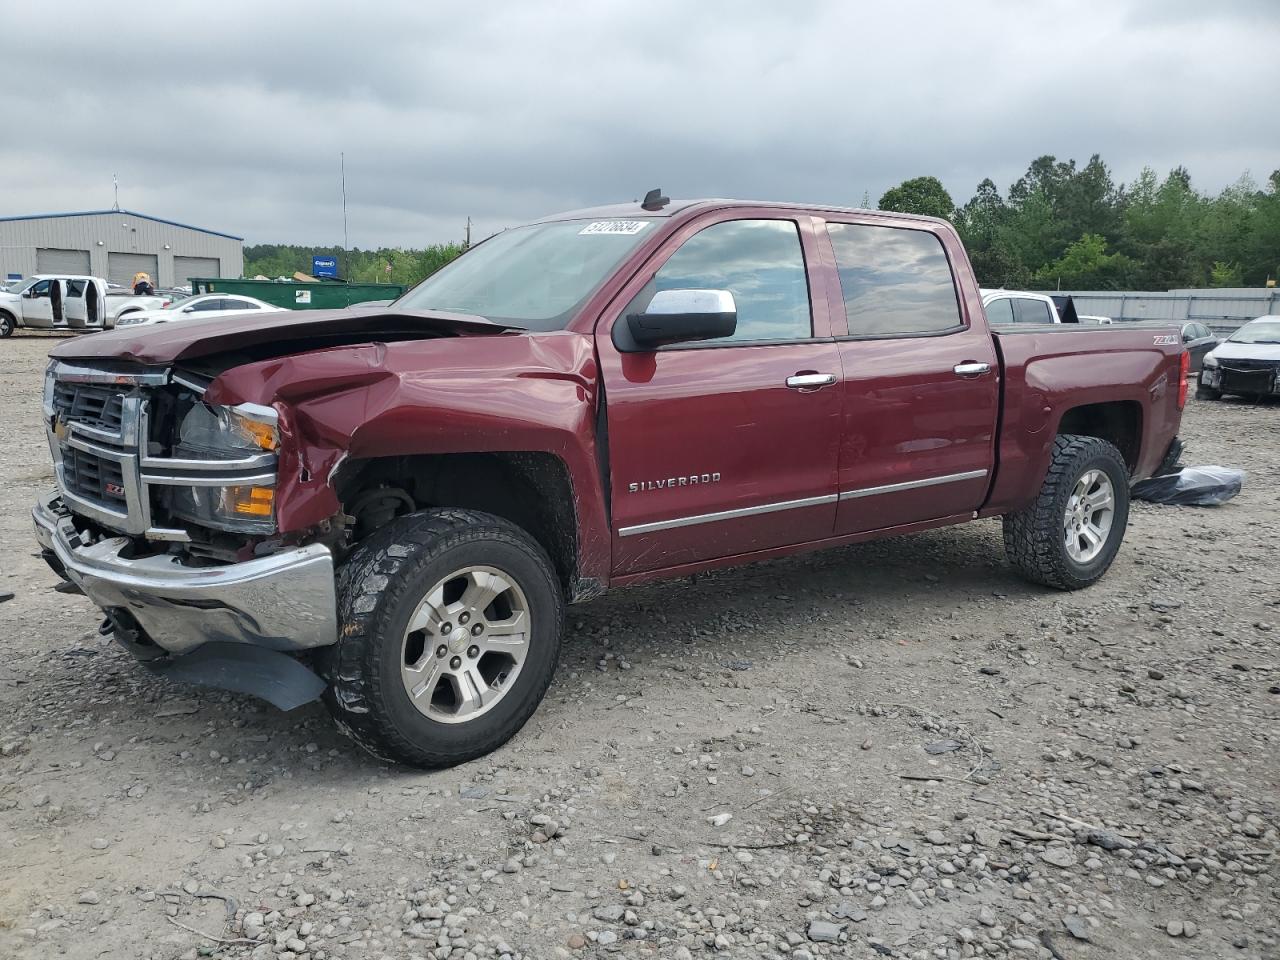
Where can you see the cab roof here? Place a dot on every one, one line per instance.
(634, 210)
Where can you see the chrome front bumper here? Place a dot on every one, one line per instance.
(286, 601)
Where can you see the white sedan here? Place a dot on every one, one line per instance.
(196, 308)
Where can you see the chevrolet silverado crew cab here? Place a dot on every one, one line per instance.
(390, 508)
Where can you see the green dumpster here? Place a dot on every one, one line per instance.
(322, 295)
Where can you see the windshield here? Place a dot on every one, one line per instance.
(178, 301)
(20, 286)
(535, 277)
(1257, 331)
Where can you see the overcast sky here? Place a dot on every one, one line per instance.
(232, 115)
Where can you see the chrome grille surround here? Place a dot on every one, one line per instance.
(96, 420)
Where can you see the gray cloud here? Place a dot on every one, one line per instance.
(233, 117)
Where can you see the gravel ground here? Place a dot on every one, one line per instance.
(896, 749)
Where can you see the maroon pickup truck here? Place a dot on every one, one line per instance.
(391, 508)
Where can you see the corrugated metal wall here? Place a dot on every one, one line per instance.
(1223, 309)
(115, 232)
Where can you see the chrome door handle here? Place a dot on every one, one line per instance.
(971, 369)
(802, 381)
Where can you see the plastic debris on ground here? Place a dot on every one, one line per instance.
(1192, 486)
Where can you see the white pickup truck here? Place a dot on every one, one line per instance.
(68, 302)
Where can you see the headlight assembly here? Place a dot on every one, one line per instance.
(228, 433)
(1210, 363)
(246, 438)
(238, 509)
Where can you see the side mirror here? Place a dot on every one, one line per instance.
(1187, 338)
(683, 316)
(188, 309)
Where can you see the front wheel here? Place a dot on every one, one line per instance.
(450, 627)
(7, 325)
(1068, 537)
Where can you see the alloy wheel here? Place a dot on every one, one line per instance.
(466, 644)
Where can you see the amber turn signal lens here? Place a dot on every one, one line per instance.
(249, 501)
(262, 434)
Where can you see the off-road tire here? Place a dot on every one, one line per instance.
(1207, 393)
(1033, 538)
(380, 586)
(7, 325)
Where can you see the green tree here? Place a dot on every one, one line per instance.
(1225, 275)
(921, 195)
(408, 266)
(983, 224)
(1086, 265)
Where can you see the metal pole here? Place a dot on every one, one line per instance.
(342, 159)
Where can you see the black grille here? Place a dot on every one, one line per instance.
(94, 478)
(94, 406)
(1248, 376)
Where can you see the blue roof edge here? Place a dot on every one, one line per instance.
(131, 213)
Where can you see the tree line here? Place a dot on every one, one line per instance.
(385, 265)
(1061, 226)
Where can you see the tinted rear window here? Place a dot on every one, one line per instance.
(895, 282)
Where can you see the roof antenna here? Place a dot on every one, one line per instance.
(654, 200)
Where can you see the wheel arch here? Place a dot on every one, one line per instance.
(532, 489)
(1119, 422)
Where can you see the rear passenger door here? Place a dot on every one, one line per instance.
(724, 447)
(921, 380)
(73, 303)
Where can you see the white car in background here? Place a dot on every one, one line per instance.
(197, 308)
(1246, 364)
(1018, 306)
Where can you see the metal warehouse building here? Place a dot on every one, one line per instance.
(116, 244)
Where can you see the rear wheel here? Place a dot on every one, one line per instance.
(1068, 538)
(450, 631)
(7, 325)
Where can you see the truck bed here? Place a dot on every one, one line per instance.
(1048, 369)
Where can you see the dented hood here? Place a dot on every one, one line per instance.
(273, 332)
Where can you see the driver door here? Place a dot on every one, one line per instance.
(37, 310)
(724, 447)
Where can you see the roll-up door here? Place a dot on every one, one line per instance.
(74, 262)
(122, 266)
(186, 267)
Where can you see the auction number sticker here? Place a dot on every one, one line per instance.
(616, 228)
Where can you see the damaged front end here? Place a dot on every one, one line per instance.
(164, 517)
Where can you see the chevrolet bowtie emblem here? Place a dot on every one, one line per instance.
(59, 428)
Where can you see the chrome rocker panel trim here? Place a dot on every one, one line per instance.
(797, 504)
(284, 602)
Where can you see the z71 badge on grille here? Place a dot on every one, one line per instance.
(692, 480)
